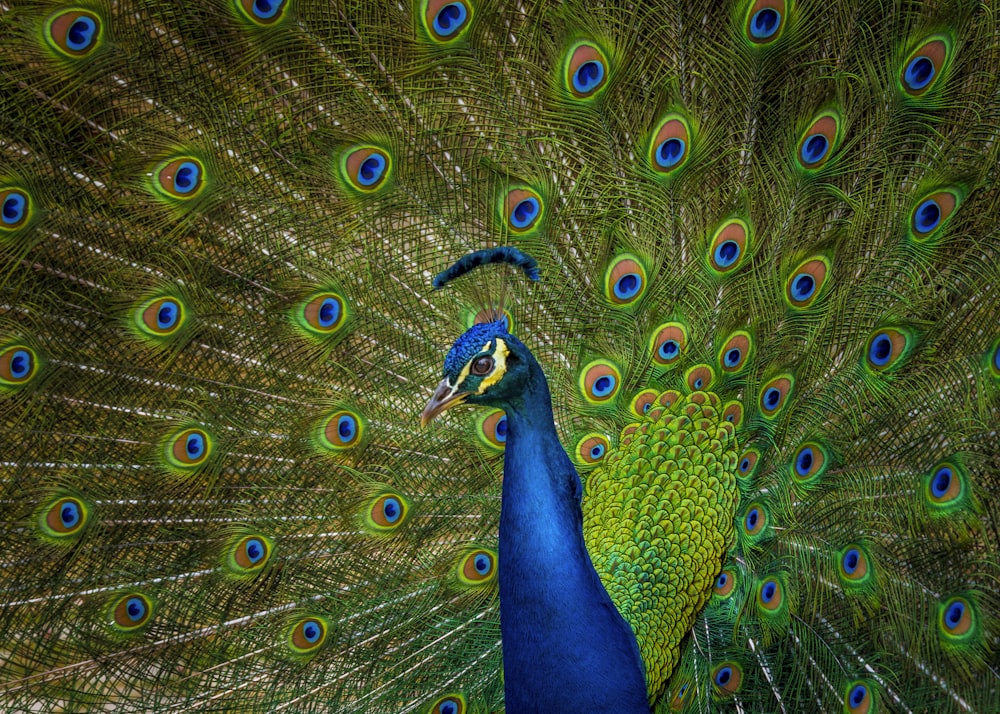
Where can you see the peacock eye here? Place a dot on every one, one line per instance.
(482, 366)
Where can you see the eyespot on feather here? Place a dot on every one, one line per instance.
(387, 512)
(668, 344)
(591, 449)
(679, 698)
(74, 33)
(307, 635)
(735, 352)
(806, 282)
(956, 618)
(765, 21)
(449, 704)
(264, 13)
(699, 378)
(477, 567)
(161, 317)
(809, 464)
(732, 413)
(585, 71)
(925, 65)
(643, 402)
(859, 698)
(770, 595)
(64, 519)
(249, 554)
(321, 314)
(130, 613)
(624, 281)
(670, 146)
(366, 168)
(725, 583)
(343, 430)
(729, 245)
(931, 212)
(492, 428)
(599, 382)
(774, 395)
(747, 463)
(18, 365)
(818, 141)
(15, 209)
(754, 520)
(854, 566)
(447, 20)
(189, 449)
(887, 347)
(727, 678)
(522, 210)
(180, 178)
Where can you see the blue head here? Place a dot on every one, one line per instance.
(486, 365)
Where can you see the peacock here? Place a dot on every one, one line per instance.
(469, 356)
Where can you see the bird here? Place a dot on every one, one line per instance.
(474, 356)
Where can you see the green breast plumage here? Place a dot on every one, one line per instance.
(659, 518)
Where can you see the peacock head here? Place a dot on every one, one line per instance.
(486, 365)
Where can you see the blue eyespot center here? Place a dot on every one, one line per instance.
(803, 286)
(347, 427)
(745, 464)
(448, 708)
(723, 676)
(254, 550)
(186, 178)
(733, 357)
(81, 34)
(669, 349)
(603, 385)
(764, 23)
(135, 608)
(646, 407)
(311, 631)
(804, 462)
(167, 315)
(721, 581)
(588, 76)
(69, 515)
(371, 170)
(20, 364)
(858, 695)
(941, 482)
(500, 432)
(450, 19)
(698, 383)
(771, 398)
(194, 445)
(919, 72)
(597, 451)
(266, 9)
(482, 564)
(525, 212)
(880, 350)
(851, 560)
(752, 518)
(329, 312)
(953, 615)
(726, 253)
(670, 152)
(927, 216)
(814, 148)
(391, 509)
(627, 286)
(14, 207)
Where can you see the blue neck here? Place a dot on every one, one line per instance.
(565, 646)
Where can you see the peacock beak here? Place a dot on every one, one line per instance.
(444, 397)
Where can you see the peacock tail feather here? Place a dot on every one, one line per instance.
(769, 255)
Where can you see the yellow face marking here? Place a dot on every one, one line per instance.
(499, 355)
(499, 367)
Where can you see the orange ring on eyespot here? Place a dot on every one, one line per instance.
(388, 511)
(592, 448)
(74, 33)
(181, 178)
(668, 343)
(729, 246)
(585, 70)
(478, 567)
(600, 382)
